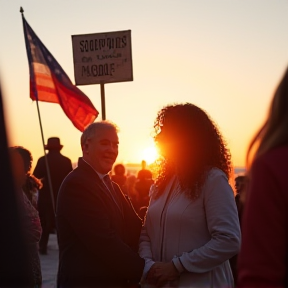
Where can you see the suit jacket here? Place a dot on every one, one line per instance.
(97, 244)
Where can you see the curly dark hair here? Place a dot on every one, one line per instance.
(26, 156)
(191, 145)
(32, 183)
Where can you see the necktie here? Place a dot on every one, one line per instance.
(113, 194)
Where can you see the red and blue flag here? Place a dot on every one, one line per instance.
(49, 82)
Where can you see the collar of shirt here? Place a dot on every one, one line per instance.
(101, 176)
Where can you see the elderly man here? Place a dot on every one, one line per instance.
(98, 229)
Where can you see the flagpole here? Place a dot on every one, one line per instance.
(103, 100)
(42, 134)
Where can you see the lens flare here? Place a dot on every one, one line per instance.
(150, 154)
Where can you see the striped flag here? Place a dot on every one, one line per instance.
(49, 82)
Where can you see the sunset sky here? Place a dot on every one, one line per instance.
(225, 56)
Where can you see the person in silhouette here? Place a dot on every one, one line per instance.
(240, 182)
(98, 229)
(240, 186)
(32, 184)
(59, 167)
(262, 261)
(191, 227)
(30, 217)
(144, 173)
(142, 187)
(131, 191)
(119, 176)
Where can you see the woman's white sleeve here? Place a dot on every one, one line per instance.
(223, 225)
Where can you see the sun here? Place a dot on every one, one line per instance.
(150, 154)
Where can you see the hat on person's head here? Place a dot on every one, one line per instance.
(53, 144)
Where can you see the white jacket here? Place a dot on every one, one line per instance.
(203, 233)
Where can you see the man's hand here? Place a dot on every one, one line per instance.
(150, 278)
(160, 273)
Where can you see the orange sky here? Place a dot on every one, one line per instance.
(224, 56)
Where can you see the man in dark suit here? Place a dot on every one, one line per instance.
(98, 229)
(59, 167)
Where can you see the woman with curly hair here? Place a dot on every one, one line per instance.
(191, 227)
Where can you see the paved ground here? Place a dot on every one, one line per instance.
(49, 263)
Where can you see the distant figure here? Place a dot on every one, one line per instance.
(191, 227)
(142, 186)
(32, 184)
(130, 183)
(131, 191)
(240, 182)
(262, 261)
(98, 229)
(119, 176)
(30, 216)
(240, 186)
(144, 173)
(59, 166)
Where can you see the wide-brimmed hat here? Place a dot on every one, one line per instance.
(53, 143)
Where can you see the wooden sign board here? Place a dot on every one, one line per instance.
(102, 57)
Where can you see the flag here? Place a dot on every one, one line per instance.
(49, 82)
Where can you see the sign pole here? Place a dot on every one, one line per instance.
(103, 100)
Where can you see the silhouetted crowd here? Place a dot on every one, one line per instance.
(136, 187)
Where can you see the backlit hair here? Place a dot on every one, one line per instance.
(26, 156)
(92, 129)
(199, 147)
(274, 132)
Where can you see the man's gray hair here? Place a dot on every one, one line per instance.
(93, 128)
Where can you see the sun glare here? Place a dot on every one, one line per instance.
(150, 154)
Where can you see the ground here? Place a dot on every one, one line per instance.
(49, 263)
